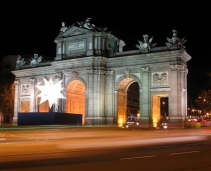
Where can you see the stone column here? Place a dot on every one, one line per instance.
(58, 107)
(96, 93)
(33, 105)
(140, 103)
(89, 45)
(146, 119)
(185, 93)
(110, 98)
(177, 98)
(115, 105)
(16, 102)
(90, 101)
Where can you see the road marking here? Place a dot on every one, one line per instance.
(185, 152)
(199, 143)
(131, 158)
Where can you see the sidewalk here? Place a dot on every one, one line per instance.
(31, 127)
(131, 127)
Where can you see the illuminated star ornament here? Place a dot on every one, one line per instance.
(50, 91)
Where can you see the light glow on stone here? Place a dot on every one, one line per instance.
(50, 91)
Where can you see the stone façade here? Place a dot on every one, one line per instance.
(92, 58)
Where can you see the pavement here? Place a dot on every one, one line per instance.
(32, 127)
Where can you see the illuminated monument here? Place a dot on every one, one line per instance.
(96, 73)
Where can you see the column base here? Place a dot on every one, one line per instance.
(146, 122)
(176, 123)
(15, 121)
(99, 120)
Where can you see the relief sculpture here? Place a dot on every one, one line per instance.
(25, 88)
(160, 78)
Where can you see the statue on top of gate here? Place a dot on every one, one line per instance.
(175, 40)
(87, 24)
(63, 28)
(146, 45)
(35, 61)
(20, 62)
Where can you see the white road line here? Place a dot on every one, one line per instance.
(185, 152)
(199, 143)
(131, 158)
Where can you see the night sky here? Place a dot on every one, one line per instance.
(31, 28)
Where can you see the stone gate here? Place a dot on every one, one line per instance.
(96, 73)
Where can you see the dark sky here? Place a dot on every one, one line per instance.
(30, 28)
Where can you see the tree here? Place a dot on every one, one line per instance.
(203, 101)
(7, 97)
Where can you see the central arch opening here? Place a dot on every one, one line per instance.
(75, 98)
(128, 106)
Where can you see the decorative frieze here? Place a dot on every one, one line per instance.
(160, 89)
(100, 72)
(178, 67)
(160, 78)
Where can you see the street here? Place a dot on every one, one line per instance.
(105, 148)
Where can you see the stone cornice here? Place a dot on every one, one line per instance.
(186, 56)
(149, 58)
(86, 62)
(34, 71)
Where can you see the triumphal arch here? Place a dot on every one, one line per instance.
(96, 74)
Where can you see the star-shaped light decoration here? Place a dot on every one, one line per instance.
(50, 91)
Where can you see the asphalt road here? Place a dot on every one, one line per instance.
(105, 149)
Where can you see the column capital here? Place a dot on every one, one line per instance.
(178, 67)
(145, 69)
(59, 74)
(17, 82)
(33, 80)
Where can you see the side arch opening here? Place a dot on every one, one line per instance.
(75, 98)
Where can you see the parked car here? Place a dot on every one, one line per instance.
(206, 122)
(164, 125)
(131, 124)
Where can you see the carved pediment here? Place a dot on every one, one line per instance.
(73, 31)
